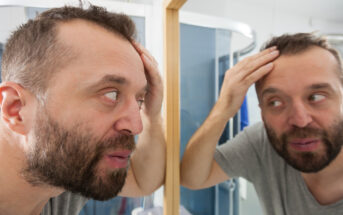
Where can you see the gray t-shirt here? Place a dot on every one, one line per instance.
(280, 187)
(65, 204)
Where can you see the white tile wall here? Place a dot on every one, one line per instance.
(10, 19)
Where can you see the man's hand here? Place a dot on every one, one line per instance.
(154, 97)
(239, 78)
(205, 172)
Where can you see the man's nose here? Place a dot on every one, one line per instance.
(299, 115)
(129, 121)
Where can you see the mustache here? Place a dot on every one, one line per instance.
(304, 133)
(119, 142)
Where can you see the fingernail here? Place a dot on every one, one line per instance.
(273, 48)
(274, 53)
(146, 58)
(269, 65)
(137, 44)
(134, 42)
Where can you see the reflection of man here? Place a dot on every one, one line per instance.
(72, 98)
(294, 158)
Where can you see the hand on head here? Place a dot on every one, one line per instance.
(154, 97)
(239, 78)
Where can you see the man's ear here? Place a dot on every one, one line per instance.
(12, 103)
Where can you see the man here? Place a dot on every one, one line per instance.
(294, 158)
(76, 89)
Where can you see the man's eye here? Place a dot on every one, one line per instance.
(140, 103)
(112, 95)
(275, 103)
(317, 97)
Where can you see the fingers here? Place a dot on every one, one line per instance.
(142, 50)
(248, 71)
(258, 74)
(254, 57)
(151, 67)
(150, 64)
(261, 61)
(154, 96)
(250, 64)
(262, 53)
(137, 46)
(152, 73)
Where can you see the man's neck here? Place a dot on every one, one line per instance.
(17, 196)
(327, 185)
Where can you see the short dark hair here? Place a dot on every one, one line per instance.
(33, 54)
(292, 44)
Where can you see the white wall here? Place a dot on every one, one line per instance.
(10, 19)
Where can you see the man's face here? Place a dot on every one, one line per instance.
(83, 134)
(301, 103)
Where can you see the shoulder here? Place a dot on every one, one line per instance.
(245, 154)
(251, 136)
(255, 133)
(255, 129)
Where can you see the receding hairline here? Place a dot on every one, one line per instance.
(61, 39)
(300, 52)
(90, 23)
(66, 44)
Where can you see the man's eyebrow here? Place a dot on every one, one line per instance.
(109, 79)
(320, 86)
(114, 79)
(269, 90)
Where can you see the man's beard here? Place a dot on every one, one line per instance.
(69, 159)
(308, 162)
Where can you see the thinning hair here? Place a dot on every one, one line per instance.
(33, 53)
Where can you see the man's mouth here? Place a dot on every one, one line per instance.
(306, 144)
(118, 159)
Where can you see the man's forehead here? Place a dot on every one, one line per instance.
(86, 37)
(309, 67)
(78, 30)
(315, 61)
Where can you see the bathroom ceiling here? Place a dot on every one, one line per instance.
(330, 10)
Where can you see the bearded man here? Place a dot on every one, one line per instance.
(294, 158)
(76, 90)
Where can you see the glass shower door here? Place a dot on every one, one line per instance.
(200, 47)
